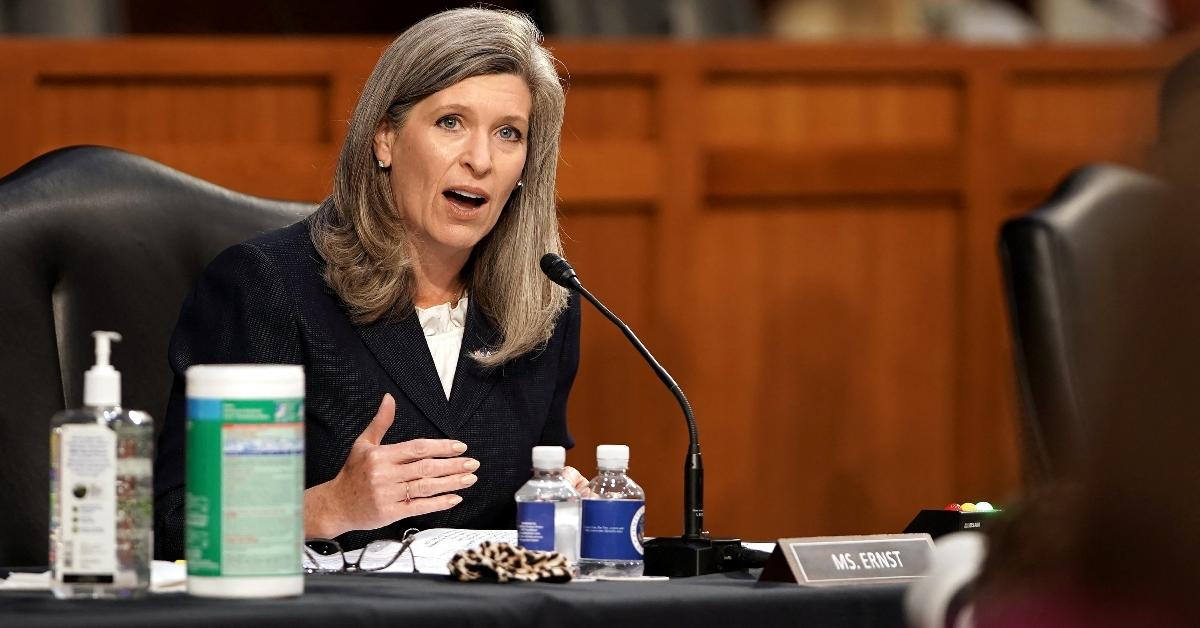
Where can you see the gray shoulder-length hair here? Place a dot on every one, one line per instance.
(360, 232)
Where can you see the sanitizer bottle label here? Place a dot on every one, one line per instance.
(88, 503)
(245, 487)
(613, 529)
(535, 525)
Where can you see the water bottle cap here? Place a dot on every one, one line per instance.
(549, 457)
(612, 456)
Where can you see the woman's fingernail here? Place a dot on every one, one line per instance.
(469, 479)
(459, 447)
(454, 499)
(471, 465)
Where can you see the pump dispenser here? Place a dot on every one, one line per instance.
(102, 382)
(101, 495)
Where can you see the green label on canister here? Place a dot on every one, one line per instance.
(245, 487)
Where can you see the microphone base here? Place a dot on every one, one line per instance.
(683, 557)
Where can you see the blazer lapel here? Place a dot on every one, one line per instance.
(400, 348)
(472, 382)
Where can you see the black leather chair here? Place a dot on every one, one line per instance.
(1103, 285)
(95, 238)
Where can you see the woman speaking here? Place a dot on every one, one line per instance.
(436, 353)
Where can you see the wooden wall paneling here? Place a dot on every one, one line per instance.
(351, 63)
(610, 107)
(986, 407)
(18, 89)
(1060, 120)
(674, 337)
(184, 110)
(1085, 59)
(819, 133)
(910, 438)
(238, 131)
(612, 246)
(834, 193)
(869, 61)
(833, 350)
(1054, 110)
(827, 110)
(256, 117)
(610, 171)
(611, 182)
(611, 148)
(617, 61)
(800, 171)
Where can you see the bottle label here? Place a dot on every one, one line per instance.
(535, 525)
(87, 497)
(245, 487)
(613, 529)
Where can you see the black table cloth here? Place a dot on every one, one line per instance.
(419, 600)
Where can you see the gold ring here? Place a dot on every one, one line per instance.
(407, 497)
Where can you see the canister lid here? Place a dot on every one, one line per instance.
(245, 381)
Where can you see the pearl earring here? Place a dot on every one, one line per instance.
(520, 184)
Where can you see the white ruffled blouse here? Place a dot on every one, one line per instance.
(443, 326)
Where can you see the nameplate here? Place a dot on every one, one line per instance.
(841, 560)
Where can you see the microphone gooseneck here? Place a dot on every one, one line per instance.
(560, 271)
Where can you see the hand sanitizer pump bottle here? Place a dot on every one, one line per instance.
(101, 498)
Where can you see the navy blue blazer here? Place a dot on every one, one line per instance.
(264, 301)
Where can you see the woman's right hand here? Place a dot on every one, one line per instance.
(381, 484)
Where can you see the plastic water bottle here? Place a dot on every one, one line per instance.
(614, 517)
(548, 507)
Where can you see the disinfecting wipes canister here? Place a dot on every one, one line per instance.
(245, 480)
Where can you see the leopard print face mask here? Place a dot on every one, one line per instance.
(503, 562)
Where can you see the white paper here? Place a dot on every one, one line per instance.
(165, 577)
(26, 582)
(434, 548)
(431, 550)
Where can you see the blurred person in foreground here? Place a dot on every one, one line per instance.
(436, 353)
(1112, 541)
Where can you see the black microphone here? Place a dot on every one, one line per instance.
(560, 271)
(693, 553)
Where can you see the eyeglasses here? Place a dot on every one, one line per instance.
(376, 556)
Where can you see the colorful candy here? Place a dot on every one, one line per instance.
(953, 506)
(968, 507)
